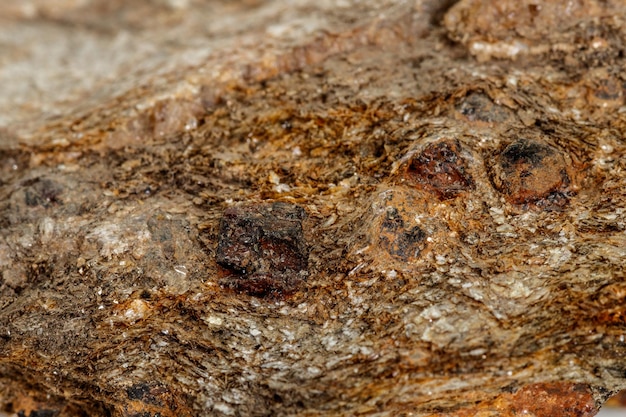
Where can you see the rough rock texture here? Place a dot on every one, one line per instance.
(305, 208)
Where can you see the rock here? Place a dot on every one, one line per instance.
(263, 248)
(332, 208)
(532, 172)
(441, 169)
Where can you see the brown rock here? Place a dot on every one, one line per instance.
(246, 209)
(440, 168)
(264, 248)
(528, 171)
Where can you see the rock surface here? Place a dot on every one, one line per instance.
(263, 208)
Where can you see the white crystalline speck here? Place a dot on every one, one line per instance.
(431, 313)
(606, 148)
(215, 321)
(46, 229)
(191, 124)
(181, 269)
(329, 342)
(314, 370)
(109, 236)
(273, 178)
(224, 408)
(136, 310)
(282, 188)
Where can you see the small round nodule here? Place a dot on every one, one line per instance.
(528, 171)
(402, 242)
(441, 169)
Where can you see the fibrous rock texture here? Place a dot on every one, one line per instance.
(269, 208)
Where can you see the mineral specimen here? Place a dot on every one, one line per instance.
(261, 208)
